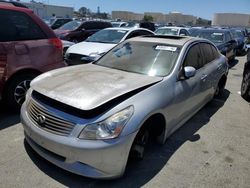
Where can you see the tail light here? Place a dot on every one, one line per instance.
(57, 43)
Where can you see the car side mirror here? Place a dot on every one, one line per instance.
(189, 71)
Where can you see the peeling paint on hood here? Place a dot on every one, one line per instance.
(89, 86)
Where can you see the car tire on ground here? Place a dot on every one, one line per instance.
(16, 90)
(140, 144)
(232, 59)
(220, 87)
(245, 86)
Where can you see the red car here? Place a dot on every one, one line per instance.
(28, 47)
(76, 31)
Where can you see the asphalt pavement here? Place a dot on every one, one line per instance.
(211, 150)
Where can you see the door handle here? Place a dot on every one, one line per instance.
(203, 77)
(219, 67)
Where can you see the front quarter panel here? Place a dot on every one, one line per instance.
(153, 100)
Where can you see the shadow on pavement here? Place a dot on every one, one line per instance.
(7, 119)
(138, 173)
(233, 63)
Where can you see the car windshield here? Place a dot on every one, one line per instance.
(108, 36)
(116, 24)
(239, 34)
(167, 31)
(146, 58)
(216, 37)
(71, 25)
(131, 24)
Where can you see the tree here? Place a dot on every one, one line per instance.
(148, 18)
(84, 11)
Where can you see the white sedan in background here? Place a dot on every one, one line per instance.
(177, 31)
(100, 43)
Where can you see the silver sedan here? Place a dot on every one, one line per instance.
(89, 119)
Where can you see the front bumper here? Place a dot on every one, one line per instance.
(91, 158)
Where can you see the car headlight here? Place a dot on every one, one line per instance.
(109, 128)
(95, 55)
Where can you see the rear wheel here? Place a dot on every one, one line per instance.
(16, 90)
(220, 87)
(245, 86)
(232, 58)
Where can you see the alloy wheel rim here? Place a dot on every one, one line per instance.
(21, 90)
(245, 82)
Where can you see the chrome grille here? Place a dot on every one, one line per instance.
(45, 120)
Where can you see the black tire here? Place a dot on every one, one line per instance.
(245, 86)
(140, 144)
(16, 89)
(232, 58)
(220, 87)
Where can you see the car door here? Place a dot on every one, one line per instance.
(230, 45)
(3, 63)
(211, 69)
(26, 43)
(189, 92)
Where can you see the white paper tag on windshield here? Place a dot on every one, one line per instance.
(217, 33)
(167, 48)
(121, 31)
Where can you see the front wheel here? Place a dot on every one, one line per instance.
(245, 86)
(140, 144)
(16, 91)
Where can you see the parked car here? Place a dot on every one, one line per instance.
(245, 84)
(28, 47)
(119, 24)
(241, 40)
(66, 45)
(177, 31)
(76, 31)
(58, 22)
(88, 119)
(222, 38)
(100, 43)
(146, 25)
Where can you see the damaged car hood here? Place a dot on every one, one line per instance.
(89, 86)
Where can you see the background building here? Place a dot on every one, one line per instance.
(126, 16)
(158, 17)
(47, 11)
(231, 19)
(173, 17)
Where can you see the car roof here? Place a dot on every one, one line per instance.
(214, 30)
(15, 8)
(127, 29)
(174, 40)
(171, 27)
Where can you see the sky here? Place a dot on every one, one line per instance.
(200, 8)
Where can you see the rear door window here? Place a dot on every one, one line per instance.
(193, 57)
(18, 26)
(208, 55)
(183, 32)
(215, 52)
